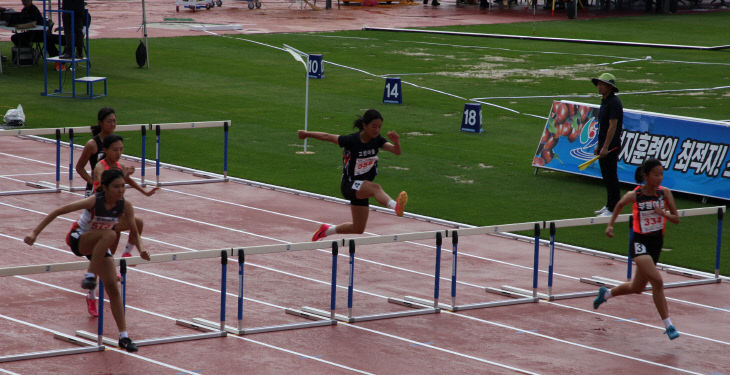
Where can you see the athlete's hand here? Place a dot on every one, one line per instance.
(302, 134)
(152, 191)
(30, 239)
(144, 254)
(609, 231)
(659, 210)
(393, 136)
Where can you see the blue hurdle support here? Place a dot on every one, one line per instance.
(317, 321)
(208, 331)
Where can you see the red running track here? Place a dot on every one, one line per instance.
(564, 337)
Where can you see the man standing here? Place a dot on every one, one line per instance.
(77, 6)
(610, 126)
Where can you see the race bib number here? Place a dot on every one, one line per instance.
(364, 165)
(102, 225)
(650, 221)
(357, 185)
(639, 248)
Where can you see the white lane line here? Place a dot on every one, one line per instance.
(29, 324)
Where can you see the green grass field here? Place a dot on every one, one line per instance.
(475, 179)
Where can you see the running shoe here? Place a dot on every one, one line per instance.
(602, 210)
(605, 213)
(671, 332)
(127, 344)
(126, 255)
(400, 203)
(599, 299)
(92, 306)
(88, 283)
(321, 232)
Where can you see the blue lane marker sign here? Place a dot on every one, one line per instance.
(392, 93)
(471, 121)
(315, 67)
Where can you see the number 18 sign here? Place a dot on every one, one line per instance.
(471, 121)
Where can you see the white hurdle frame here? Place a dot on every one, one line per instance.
(602, 281)
(43, 187)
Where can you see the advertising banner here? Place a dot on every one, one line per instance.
(694, 152)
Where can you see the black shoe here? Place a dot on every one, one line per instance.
(435, 3)
(127, 344)
(88, 283)
(425, 2)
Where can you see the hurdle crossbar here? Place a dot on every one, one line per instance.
(699, 278)
(71, 131)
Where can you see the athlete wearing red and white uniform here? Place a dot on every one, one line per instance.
(648, 225)
(98, 218)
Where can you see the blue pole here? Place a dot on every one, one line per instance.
(631, 240)
(454, 247)
(58, 158)
(224, 267)
(157, 161)
(71, 152)
(352, 278)
(144, 150)
(552, 258)
(100, 323)
(123, 272)
(536, 259)
(241, 261)
(333, 290)
(225, 149)
(719, 243)
(437, 273)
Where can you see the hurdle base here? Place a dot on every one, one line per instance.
(51, 353)
(189, 182)
(273, 328)
(363, 318)
(603, 281)
(160, 340)
(555, 297)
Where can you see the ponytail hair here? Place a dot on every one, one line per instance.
(645, 168)
(366, 118)
(103, 113)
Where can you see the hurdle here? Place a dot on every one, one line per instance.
(317, 321)
(699, 279)
(209, 332)
(419, 309)
(48, 187)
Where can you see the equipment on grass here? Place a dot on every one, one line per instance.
(593, 159)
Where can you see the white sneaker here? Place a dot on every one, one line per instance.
(605, 213)
(602, 210)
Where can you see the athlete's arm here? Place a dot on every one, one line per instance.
(393, 147)
(86, 203)
(673, 215)
(322, 136)
(84, 158)
(128, 217)
(628, 198)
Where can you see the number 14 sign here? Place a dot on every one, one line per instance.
(471, 121)
(392, 93)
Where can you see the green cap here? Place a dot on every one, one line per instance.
(606, 78)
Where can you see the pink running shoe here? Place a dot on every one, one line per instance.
(92, 306)
(126, 255)
(400, 203)
(320, 233)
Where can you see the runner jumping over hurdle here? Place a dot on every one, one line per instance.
(649, 204)
(359, 168)
(94, 234)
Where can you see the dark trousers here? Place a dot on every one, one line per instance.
(27, 39)
(78, 34)
(609, 172)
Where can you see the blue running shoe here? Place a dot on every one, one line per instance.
(599, 300)
(671, 332)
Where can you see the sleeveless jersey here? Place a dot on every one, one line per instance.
(646, 221)
(359, 160)
(99, 217)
